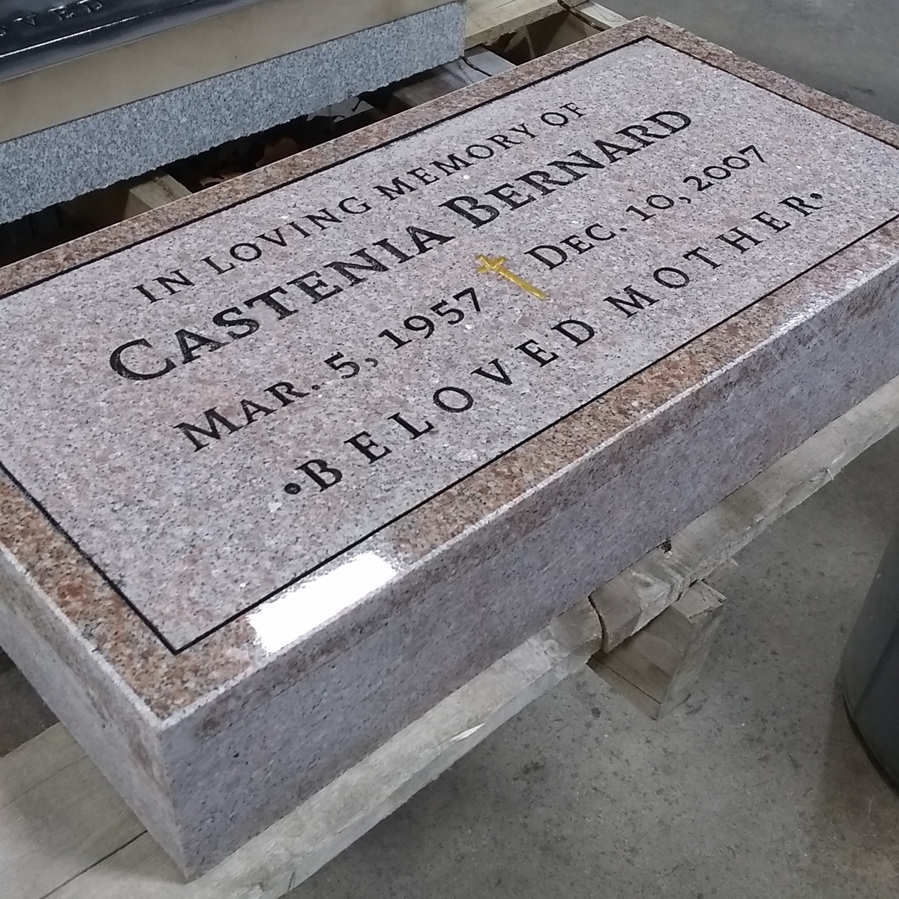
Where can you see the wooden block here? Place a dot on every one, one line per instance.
(657, 667)
(64, 830)
(153, 192)
(477, 65)
(633, 598)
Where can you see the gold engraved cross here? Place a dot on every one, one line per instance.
(496, 265)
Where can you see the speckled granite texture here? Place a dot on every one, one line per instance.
(224, 621)
(67, 160)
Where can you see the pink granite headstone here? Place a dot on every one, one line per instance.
(287, 462)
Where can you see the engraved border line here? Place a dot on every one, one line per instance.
(151, 626)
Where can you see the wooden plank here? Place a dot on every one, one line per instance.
(488, 20)
(476, 65)
(628, 602)
(657, 668)
(63, 829)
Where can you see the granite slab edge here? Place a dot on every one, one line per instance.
(556, 542)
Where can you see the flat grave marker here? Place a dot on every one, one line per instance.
(287, 463)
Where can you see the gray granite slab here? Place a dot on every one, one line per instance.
(88, 152)
(288, 462)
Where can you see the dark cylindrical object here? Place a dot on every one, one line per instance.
(871, 664)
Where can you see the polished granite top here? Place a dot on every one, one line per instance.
(693, 231)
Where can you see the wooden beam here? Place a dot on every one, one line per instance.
(488, 20)
(104, 207)
(155, 191)
(597, 15)
(476, 65)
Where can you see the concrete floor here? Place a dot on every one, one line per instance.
(757, 787)
(847, 48)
